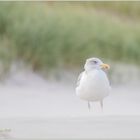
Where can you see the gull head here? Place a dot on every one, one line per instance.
(95, 63)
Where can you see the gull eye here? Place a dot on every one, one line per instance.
(94, 62)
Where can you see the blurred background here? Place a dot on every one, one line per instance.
(44, 45)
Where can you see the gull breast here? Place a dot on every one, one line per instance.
(93, 85)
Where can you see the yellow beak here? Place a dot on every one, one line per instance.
(105, 66)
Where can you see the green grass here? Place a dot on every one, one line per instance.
(49, 36)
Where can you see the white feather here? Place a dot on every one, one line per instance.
(93, 85)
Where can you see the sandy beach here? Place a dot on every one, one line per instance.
(34, 108)
(48, 49)
(101, 127)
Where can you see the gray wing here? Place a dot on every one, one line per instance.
(79, 78)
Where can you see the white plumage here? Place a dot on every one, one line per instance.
(93, 84)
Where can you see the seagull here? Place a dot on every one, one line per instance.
(93, 84)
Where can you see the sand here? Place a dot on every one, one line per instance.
(34, 108)
(105, 127)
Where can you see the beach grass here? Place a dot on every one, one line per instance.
(49, 35)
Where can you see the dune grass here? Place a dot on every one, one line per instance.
(48, 36)
(123, 8)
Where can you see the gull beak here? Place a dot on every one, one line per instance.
(105, 66)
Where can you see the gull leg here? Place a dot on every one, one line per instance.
(89, 105)
(101, 103)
